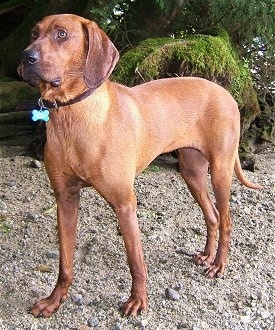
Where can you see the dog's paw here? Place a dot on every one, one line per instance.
(214, 271)
(203, 259)
(48, 306)
(135, 305)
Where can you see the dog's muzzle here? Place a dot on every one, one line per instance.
(30, 69)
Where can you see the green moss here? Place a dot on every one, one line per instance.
(244, 93)
(129, 62)
(205, 55)
(216, 32)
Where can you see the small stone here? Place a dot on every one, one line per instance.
(162, 260)
(36, 164)
(82, 327)
(142, 324)
(172, 294)
(178, 287)
(246, 210)
(247, 311)
(32, 216)
(160, 214)
(262, 296)
(94, 303)
(53, 254)
(11, 184)
(93, 323)
(3, 208)
(78, 299)
(254, 296)
(183, 326)
(181, 251)
(118, 327)
(245, 319)
(253, 303)
(265, 314)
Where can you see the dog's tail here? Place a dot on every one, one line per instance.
(242, 178)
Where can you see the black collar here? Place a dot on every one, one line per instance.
(56, 104)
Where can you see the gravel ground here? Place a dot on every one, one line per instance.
(172, 227)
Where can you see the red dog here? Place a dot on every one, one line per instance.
(101, 134)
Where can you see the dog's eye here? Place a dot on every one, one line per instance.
(61, 34)
(34, 34)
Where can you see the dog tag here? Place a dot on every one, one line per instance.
(40, 114)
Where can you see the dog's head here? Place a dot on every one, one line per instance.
(67, 55)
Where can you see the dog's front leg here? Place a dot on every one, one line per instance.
(67, 209)
(128, 223)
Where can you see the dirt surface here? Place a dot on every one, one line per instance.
(172, 228)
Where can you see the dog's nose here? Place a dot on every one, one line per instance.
(30, 56)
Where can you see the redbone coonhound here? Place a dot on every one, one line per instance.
(101, 134)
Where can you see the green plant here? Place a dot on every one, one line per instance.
(3, 226)
(151, 168)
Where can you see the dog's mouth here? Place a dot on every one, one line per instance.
(34, 79)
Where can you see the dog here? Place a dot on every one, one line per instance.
(102, 134)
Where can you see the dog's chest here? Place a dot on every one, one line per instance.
(75, 146)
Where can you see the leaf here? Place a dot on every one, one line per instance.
(50, 210)
(43, 269)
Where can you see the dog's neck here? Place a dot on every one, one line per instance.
(57, 103)
(54, 97)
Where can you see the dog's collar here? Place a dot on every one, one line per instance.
(43, 113)
(56, 104)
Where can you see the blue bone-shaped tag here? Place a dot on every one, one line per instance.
(41, 114)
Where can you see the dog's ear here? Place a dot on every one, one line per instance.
(101, 58)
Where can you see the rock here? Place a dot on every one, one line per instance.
(245, 319)
(3, 208)
(162, 260)
(53, 254)
(160, 214)
(178, 287)
(93, 323)
(32, 216)
(183, 326)
(248, 161)
(36, 164)
(142, 324)
(246, 210)
(265, 314)
(11, 184)
(172, 294)
(262, 296)
(78, 299)
(118, 326)
(82, 327)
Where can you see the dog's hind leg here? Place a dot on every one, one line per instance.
(221, 171)
(194, 168)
